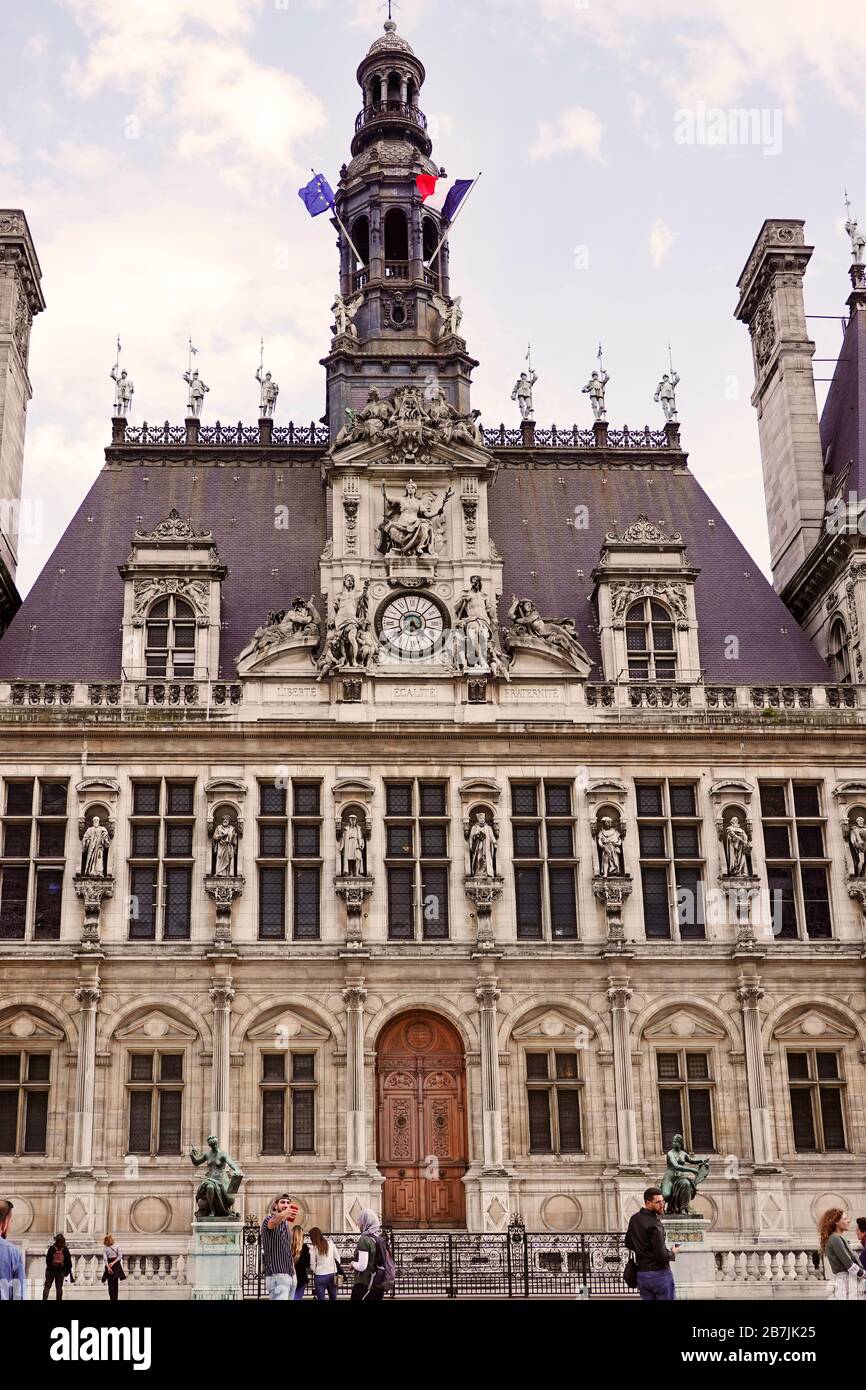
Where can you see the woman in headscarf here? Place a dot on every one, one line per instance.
(366, 1259)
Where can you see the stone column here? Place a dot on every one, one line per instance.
(88, 997)
(619, 995)
(355, 997)
(487, 995)
(221, 996)
(750, 995)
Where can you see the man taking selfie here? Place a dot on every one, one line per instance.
(277, 1259)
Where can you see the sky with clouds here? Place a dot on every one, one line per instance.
(157, 147)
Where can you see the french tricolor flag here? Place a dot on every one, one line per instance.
(454, 197)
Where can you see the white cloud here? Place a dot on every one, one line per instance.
(186, 68)
(574, 129)
(9, 151)
(661, 240)
(82, 160)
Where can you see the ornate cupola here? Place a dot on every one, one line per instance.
(395, 322)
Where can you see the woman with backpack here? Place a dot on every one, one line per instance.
(301, 1257)
(58, 1263)
(324, 1264)
(373, 1265)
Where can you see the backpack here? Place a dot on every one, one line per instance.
(384, 1274)
(57, 1259)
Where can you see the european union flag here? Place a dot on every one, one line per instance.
(456, 194)
(318, 195)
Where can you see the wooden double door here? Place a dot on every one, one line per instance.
(422, 1150)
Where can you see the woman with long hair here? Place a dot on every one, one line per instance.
(58, 1263)
(324, 1266)
(844, 1266)
(301, 1257)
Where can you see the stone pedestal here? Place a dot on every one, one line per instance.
(694, 1268)
(216, 1252)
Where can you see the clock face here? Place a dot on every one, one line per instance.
(411, 626)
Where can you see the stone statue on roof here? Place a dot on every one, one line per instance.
(665, 395)
(123, 392)
(269, 392)
(197, 392)
(522, 393)
(595, 389)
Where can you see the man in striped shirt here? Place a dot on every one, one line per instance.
(277, 1249)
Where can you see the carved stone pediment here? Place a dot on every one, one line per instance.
(532, 655)
(483, 788)
(814, 1025)
(20, 1026)
(552, 1026)
(292, 656)
(681, 1023)
(172, 529)
(157, 1027)
(286, 1030)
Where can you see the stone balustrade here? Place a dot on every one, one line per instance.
(764, 1274)
(148, 1275)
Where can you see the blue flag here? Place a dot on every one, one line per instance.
(456, 194)
(318, 195)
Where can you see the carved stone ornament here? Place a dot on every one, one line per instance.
(146, 591)
(763, 331)
(93, 892)
(734, 830)
(622, 596)
(399, 310)
(643, 532)
(613, 891)
(482, 893)
(412, 420)
(284, 628)
(223, 890)
(556, 637)
(354, 891)
(174, 528)
(350, 641)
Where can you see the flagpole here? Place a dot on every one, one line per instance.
(361, 262)
(451, 224)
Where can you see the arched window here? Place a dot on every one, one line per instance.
(650, 642)
(413, 93)
(396, 236)
(394, 87)
(838, 655)
(361, 238)
(170, 640)
(431, 237)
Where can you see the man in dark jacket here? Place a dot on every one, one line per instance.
(645, 1238)
(58, 1263)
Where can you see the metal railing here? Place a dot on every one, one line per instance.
(513, 1263)
(237, 436)
(387, 110)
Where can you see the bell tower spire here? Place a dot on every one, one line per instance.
(395, 322)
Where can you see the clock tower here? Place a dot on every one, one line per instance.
(410, 576)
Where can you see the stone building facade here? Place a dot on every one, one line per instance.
(531, 838)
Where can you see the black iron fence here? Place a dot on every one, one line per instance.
(514, 1263)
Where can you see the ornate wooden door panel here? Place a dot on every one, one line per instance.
(422, 1123)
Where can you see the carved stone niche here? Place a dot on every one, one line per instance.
(225, 794)
(97, 796)
(606, 800)
(224, 855)
(606, 797)
(95, 860)
(734, 829)
(850, 797)
(353, 797)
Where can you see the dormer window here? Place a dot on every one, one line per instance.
(839, 655)
(650, 642)
(170, 640)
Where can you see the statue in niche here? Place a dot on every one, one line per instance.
(738, 848)
(482, 846)
(475, 639)
(197, 393)
(522, 393)
(123, 393)
(215, 1194)
(856, 837)
(94, 844)
(609, 842)
(344, 311)
(595, 389)
(683, 1174)
(558, 633)
(665, 395)
(350, 643)
(408, 525)
(352, 847)
(225, 840)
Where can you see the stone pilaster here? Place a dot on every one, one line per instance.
(88, 997)
(750, 994)
(619, 996)
(221, 996)
(355, 997)
(487, 995)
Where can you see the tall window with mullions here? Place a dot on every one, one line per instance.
(161, 860)
(290, 853)
(543, 843)
(417, 860)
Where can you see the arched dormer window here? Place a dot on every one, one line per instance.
(170, 639)
(361, 238)
(650, 642)
(396, 244)
(838, 654)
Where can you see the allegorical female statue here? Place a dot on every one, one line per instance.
(682, 1175)
(408, 525)
(215, 1194)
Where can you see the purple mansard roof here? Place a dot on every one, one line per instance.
(69, 626)
(843, 421)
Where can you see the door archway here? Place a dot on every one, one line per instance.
(421, 1122)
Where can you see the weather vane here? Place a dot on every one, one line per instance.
(392, 4)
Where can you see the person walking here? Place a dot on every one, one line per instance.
(113, 1271)
(301, 1257)
(324, 1265)
(366, 1258)
(645, 1238)
(13, 1284)
(276, 1240)
(58, 1263)
(846, 1269)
